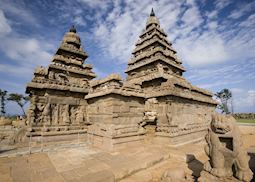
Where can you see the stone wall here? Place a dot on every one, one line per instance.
(115, 120)
(56, 113)
(180, 120)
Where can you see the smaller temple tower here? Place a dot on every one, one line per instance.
(57, 92)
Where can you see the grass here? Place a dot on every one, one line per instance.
(246, 120)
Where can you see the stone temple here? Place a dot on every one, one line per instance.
(155, 102)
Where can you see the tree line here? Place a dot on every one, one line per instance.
(20, 99)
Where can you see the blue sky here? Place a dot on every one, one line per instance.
(214, 39)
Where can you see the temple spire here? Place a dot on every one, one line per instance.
(72, 29)
(152, 12)
(152, 19)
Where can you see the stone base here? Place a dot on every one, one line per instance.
(56, 138)
(208, 177)
(178, 140)
(114, 143)
(56, 130)
(56, 133)
(110, 137)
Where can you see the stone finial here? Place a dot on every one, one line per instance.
(152, 12)
(152, 19)
(72, 29)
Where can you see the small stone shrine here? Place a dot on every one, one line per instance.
(155, 98)
(57, 105)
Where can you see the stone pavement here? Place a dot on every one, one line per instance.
(93, 165)
(74, 163)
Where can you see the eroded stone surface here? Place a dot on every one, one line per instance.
(57, 92)
(228, 157)
(116, 112)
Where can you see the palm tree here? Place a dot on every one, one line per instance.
(3, 95)
(20, 99)
(224, 95)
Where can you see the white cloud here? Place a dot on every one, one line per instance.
(220, 4)
(4, 26)
(100, 4)
(79, 21)
(251, 97)
(208, 48)
(27, 53)
(117, 33)
(242, 10)
(243, 100)
(19, 10)
(28, 50)
(192, 17)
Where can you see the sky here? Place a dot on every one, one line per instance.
(215, 39)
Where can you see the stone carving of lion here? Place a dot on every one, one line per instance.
(225, 150)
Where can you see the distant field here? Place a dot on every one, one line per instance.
(246, 120)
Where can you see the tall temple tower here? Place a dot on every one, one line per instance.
(155, 98)
(154, 60)
(57, 92)
(180, 111)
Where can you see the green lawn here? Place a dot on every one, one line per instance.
(246, 120)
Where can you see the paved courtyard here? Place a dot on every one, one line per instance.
(90, 164)
(83, 163)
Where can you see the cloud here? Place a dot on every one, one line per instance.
(233, 73)
(4, 26)
(209, 48)
(251, 97)
(242, 10)
(221, 4)
(79, 21)
(19, 10)
(196, 35)
(26, 52)
(243, 100)
(101, 4)
(117, 32)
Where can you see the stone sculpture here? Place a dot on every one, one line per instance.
(225, 150)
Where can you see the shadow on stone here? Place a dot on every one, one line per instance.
(194, 165)
(252, 164)
(3, 150)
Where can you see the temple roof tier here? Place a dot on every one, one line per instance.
(76, 70)
(153, 59)
(66, 60)
(153, 27)
(115, 77)
(148, 54)
(71, 49)
(33, 85)
(150, 42)
(148, 37)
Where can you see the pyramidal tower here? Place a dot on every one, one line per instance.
(154, 60)
(57, 92)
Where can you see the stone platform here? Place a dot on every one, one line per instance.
(82, 163)
(78, 161)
